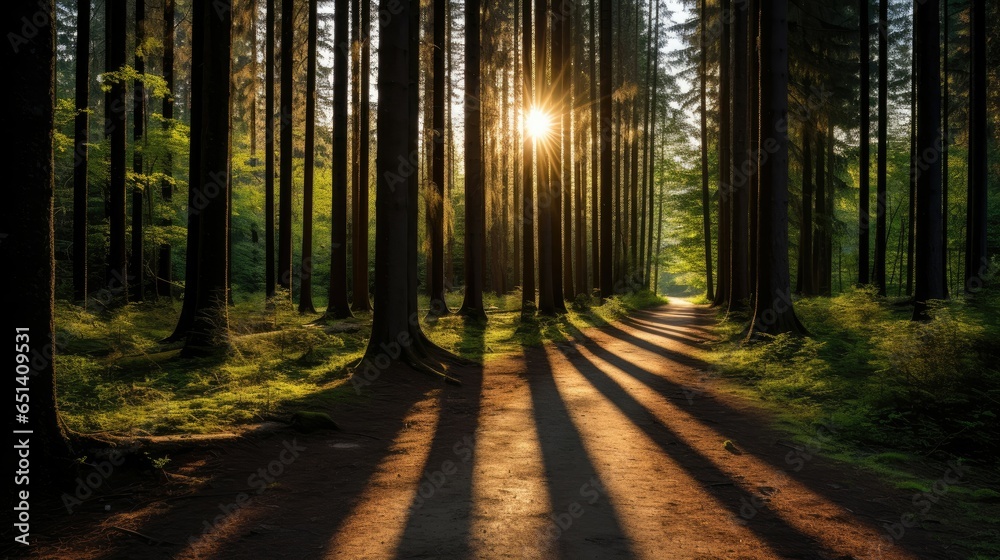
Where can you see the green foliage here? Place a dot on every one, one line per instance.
(884, 379)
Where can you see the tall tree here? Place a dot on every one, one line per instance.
(606, 256)
(527, 170)
(436, 271)
(117, 276)
(864, 148)
(210, 84)
(928, 262)
(725, 158)
(739, 203)
(284, 271)
(706, 211)
(305, 268)
(80, 138)
(652, 146)
(136, 264)
(360, 256)
(595, 196)
(566, 95)
(976, 260)
(773, 311)
(164, 267)
(31, 240)
(269, 270)
(475, 200)
(881, 158)
(804, 281)
(339, 307)
(555, 159)
(395, 335)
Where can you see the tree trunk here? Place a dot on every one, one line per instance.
(606, 257)
(773, 312)
(436, 271)
(705, 209)
(977, 264)
(928, 276)
(725, 162)
(284, 272)
(652, 146)
(361, 303)
(805, 277)
(595, 196)
(136, 264)
(339, 307)
(527, 171)
(117, 275)
(739, 283)
(269, 270)
(880, 192)
(211, 96)
(305, 270)
(475, 201)
(30, 296)
(165, 275)
(914, 160)
(820, 285)
(80, 164)
(546, 299)
(944, 148)
(566, 95)
(864, 164)
(554, 160)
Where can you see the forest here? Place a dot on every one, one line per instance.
(503, 278)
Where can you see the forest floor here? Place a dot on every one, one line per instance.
(617, 443)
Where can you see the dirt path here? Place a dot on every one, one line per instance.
(610, 446)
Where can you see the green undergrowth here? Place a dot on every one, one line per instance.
(115, 376)
(901, 398)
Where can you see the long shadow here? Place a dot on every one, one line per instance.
(779, 536)
(821, 471)
(439, 520)
(571, 478)
(306, 517)
(672, 335)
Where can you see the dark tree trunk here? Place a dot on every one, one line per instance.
(880, 192)
(566, 95)
(210, 84)
(805, 277)
(595, 196)
(606, 257)
(705, 210)
(164, 274)
(475, 201)
(360, 289)
(80, 138)
(436, 273)
(820, 258)
(30, 296)
(773, 312)
(284, 272)
(725, 162)
(928, 276)
(339, 307)
(269, 270)
(136, 264)
(546, 288)
(739, 282)
(518, 134)
(944, 147)
(527, 171)
(753, 180)
(864, 164)
(646, 143)
(308, 166)
(912, 195)
(117, 275)
(652, 148)
(361, 59)
(554, 161)
(977, 264)
(580, 185)
(396, 333)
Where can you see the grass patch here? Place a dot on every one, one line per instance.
(904, 398)
(115, 376)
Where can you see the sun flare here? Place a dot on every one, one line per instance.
(538, 123)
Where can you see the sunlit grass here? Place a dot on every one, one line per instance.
(115, 376)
